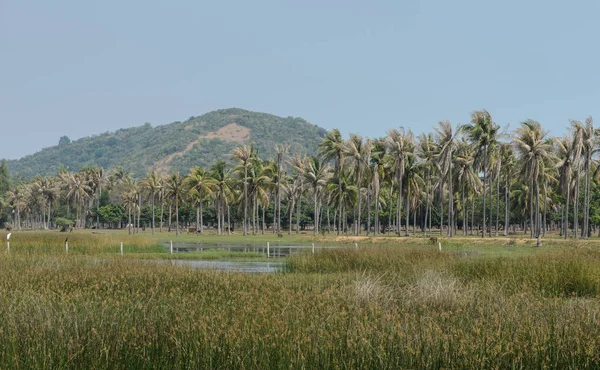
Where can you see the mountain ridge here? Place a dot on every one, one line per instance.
(176, 146)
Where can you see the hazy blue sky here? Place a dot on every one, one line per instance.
(79, 68)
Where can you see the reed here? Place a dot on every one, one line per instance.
(377, 308)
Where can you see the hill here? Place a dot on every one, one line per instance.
(198, 141)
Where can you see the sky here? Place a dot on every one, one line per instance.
(80, 68)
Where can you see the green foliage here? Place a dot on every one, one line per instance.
(63, 223)
(139, 149)
(111, 213)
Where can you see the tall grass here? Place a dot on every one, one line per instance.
(53, 243)
(378, 308)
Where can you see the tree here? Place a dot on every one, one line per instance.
(243, 154)
(564, 149)
(316, 174)
(354, 150)
(152, 185)
(482, 132)
(280, 150)
(427, 153)
(587, 144)
(466, 177)
(400, 146)
(332, 149)
(223, 192)
(4, 178)
(175, 189)
(201, 186)
(445, 153)
(533, 150)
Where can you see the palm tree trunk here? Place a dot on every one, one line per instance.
(376, 228)
(537, 213)
(218, 207)
(545, 209)
(369, 209)
(497, 205)
(201, 221)
(176, 216)
(170, 216)
(427, 203)
(531, 209)
(358, 230)
(407, 210)
(485, 160)
(153, 213)
(162, 208)
(450, 202)
(506, 200)
(245, 198)
(576, 207)
(399, 210)
(263, 220)
(441, 208)
(291, 213)
(298, 206)
(586, 205)
(472, 213)
(315, 228)
(390, 214)
(465, 212)
(567, 212)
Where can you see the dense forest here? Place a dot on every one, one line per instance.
(470, 179)
(177, 146)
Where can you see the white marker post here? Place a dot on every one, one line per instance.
(440, 246)
(121, 248)
(171, 247)
(67, 247)
(268, 250)
(356, 246)
(313, 249)
(8, 242)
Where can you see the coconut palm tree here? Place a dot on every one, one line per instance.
(466, 177)
(343, 193)
(174, 191)
(533, 149)
(400, 145)
(79, 190)
(200, 185)
(587, 144)
(355, 151)
(280, 150)
(332, 149)
(222, 192)
(243, 154)
(152, 185)
(507, 173)
(414, 181)
(565, 153)
(427, 152)
(315, 174)
(445, 158)
(16, 199)
(482, 132)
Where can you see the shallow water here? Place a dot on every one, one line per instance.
(273, 251)
(229, 266)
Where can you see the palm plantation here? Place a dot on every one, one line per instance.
(465, 179)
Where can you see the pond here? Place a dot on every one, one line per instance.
(229, 266)
(274, 251)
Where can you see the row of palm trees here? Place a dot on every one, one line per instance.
(450, 174)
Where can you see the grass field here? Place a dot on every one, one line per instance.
(393, 303)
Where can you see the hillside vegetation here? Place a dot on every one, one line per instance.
(176, 146)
